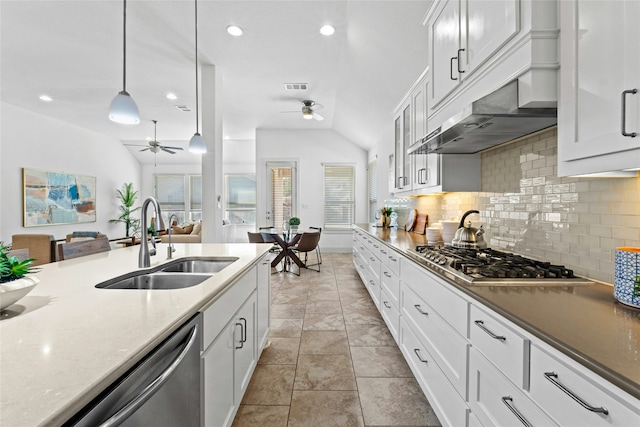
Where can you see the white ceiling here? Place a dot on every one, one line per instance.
(72, 51)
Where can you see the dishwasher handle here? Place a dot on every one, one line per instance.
(130, 407)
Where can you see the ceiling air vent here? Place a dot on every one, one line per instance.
(183, 108)
(295, 86)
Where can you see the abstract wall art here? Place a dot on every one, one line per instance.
(52, 198)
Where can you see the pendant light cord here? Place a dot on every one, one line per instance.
(124, 48)
(197, 91)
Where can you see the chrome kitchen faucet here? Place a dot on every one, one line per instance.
(145, 253)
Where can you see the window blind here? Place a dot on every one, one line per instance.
(281, 187)
(339, 196)
(195, 193)
(170, 192)
(372, 179)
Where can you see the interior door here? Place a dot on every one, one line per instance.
(282, 184)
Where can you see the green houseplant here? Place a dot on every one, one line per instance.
(294, 221)
(127, 197)
(14, 282)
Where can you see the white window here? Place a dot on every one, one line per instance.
(179, 195)
(240, 199)
(339, 196)
(372, 178)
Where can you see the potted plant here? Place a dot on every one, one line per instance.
(127, 197)
(14, 282)
(294, 222)
(386, 216)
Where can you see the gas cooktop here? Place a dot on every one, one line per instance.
(490, 267)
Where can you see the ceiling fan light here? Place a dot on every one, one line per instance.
(124, 110)
(234, 30)
(197, 144)
(307, 113)
(327, 30)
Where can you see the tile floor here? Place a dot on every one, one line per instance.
(332, 360)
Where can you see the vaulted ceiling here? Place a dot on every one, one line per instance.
(72, 51)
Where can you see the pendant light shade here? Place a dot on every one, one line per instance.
(123, 108)
(197, 144)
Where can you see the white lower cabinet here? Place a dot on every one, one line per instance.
(390, 313)
(235, 328)
(496, 401)
(450, 408)
(574, 396)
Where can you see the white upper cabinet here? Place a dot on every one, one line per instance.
(599, 111)
(478, 46)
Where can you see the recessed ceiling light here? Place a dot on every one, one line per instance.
(45, 98)
(327, 30)
(172, 96)
(234, 30)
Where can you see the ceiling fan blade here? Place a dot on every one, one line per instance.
(317, 116)
(134, 145)
(317, 106)
(145, 149)
(172, 148)
(167, 150)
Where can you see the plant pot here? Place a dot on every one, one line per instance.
(627, 267)
(11, 292)
(386, 221)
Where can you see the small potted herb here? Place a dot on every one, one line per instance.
(386, 216)
(294, 222)
(14, 282)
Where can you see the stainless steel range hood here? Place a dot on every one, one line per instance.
(487, 122)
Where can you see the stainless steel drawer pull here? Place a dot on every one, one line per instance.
(417, 352)
(453, 58)
(386, 274)
(480, 325)
(624, 113)
(507, 400)
(372, 259)
(393, 259)
(459, 52)
(372, 282)
(386, 304)
(552, 376)
(384, 252)
(417, 306)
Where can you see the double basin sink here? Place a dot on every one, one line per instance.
(178, 274)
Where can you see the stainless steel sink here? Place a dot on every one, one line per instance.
(199, 265)
(177, 274)
(158, 280)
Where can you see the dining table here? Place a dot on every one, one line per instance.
(286, 240)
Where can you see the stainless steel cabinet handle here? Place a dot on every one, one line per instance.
(393, 259)
(624, 112)
(376, 246)
(153, 386)
(372, 282)
(507, 400)
(383, 251)
(417, 352)
(551, 376)
(459, 51)
(417, 306)
(480, 325)
(386, 304)
(372, 259)
(453, 58)
(386, 274)
(244, 330)
(420, 173)
(241, 335)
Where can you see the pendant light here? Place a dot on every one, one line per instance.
(197, 144)
(123, 108)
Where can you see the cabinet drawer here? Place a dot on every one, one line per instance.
(447, 404)
(550, 373)
(501, 344)
(438, 294)
(391, 260)
(389, 313)
(449, 349)
(498, 402)
(391, 284)
(216, 316)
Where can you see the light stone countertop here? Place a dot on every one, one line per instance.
(66, 341)
(584, 322)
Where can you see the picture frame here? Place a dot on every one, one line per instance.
(54, 198)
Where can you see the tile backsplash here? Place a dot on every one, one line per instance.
(526, 208)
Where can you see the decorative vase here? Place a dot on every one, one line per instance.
(11, 292)
(627, 268)
(386, 221)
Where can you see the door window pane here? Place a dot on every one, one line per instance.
(241, 199)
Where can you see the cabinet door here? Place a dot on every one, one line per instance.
(444, 36)
(600, 62)
(244, 346)
(402, 160)
(264, 301)
(490, 24)
(218, 398)
(398, 166)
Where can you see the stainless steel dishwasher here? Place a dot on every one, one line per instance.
(161, 390)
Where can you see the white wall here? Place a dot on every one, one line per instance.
(38, 142)
(380, 152)
(310, 149)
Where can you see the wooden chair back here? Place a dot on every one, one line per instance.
(255, 237)
(82, 248)
(308, 242)
(41, 246)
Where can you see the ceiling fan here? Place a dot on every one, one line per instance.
(308, 107)
(154, 145)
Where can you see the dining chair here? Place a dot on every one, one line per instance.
(84, 247)
(308, 243)
(42, 247)
(255, 237)
(319, 252)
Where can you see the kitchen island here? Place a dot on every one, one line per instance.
(67, 341)
(582, 322)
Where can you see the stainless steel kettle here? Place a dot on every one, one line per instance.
(467, 236)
